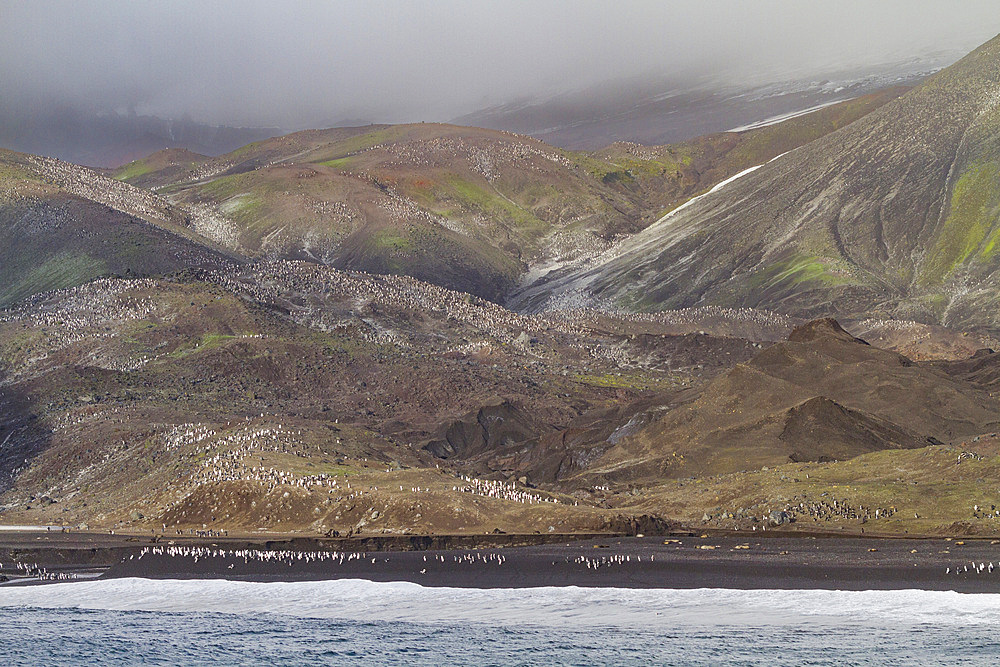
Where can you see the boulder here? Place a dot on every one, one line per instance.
(778, 518)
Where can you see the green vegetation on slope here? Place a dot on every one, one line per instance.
(506, 200)
(209, 341)
(797, 270)
(489, 203)
(974, 211)
(10, 171)
(132, 170)
(224, 186)
(21, 279)
(933, 490)
(356, 144)
(390, 240)
(337, 163)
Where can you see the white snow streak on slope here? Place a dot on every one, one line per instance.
(774, 120)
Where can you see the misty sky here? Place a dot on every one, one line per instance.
(296, 64)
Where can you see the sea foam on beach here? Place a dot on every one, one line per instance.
(360, 600)
(214, 623)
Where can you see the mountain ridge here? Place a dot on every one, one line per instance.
(306, 334)
(62, 226)
(471, 209)
(861, 220)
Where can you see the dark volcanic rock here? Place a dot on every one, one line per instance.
(822, 328)
(822, 395)
(489, 428)
(823, 430)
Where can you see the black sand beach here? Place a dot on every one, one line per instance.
(726, 561)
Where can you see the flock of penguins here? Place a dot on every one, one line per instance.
(36, 572)
(269, 558)
(292, 558)
(475, 557)
(973, 568)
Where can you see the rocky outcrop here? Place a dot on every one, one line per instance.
(487, 429)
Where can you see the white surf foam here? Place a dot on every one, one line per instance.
(569, 606)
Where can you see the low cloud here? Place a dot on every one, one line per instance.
(300, 64)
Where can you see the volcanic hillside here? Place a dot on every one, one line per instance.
(203, 352)
(188, 400)
(894, 215)
(291, 396)
(469, 209)
(62, 225)
(822, 395)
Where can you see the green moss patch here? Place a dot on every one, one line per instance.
(208, 341)
(132, 170)
(245, 207)
(974, 211)
(392, 240)
(797, 270)
(338, 163)
(347, 147)
(21, 279)
(491, 204)
(224, 186)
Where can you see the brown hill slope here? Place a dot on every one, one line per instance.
(460, 207)
(822, 395)
(62, 225)
(292, 396)
(149, 401)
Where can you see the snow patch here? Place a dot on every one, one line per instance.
(774, 120)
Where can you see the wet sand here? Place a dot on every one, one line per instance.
(729, 561)
(771, 563)
(93, 554)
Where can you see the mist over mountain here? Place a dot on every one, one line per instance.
(655, 111)
(895, 214)
(312, 65)
(111, 139)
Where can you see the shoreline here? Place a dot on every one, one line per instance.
(677, 562)
(88, 553)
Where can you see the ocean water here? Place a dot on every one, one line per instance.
(138, 621)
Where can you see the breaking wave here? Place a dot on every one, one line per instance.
(366, 601)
